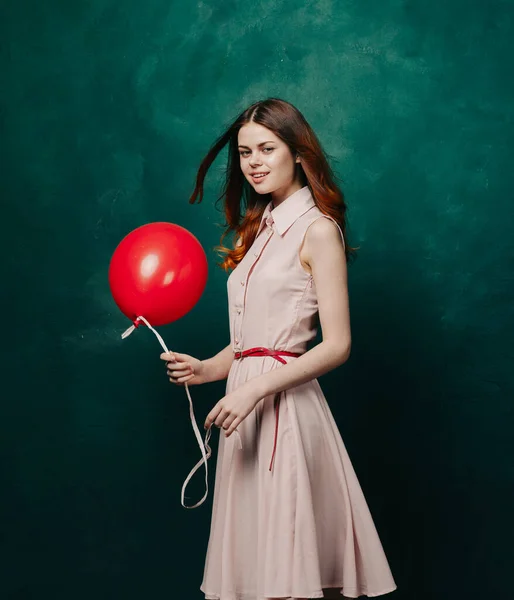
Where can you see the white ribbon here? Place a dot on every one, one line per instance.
(205, 450)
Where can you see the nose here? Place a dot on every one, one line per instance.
(255, 160)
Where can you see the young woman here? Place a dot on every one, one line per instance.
(289, 518)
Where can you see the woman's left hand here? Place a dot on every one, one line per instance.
(232, 409)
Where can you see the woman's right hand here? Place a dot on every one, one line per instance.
(182, 368)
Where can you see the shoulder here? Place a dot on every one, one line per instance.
(322, 230)
(323, 239)
(321, 227)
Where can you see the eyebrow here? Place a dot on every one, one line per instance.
(261, 144)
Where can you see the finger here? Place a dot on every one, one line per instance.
(212, 416)
(185, 379)
(175, 366)
(168, 356)
(228, 422)
(180, 375)
(179, 370)
(233, 426)
(179, 365)
(221, 417)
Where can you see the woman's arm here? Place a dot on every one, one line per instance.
(219, 365)
(323, 251)
(183, 368)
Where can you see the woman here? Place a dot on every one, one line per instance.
(289, 517)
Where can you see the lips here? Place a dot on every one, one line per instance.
(258, 177)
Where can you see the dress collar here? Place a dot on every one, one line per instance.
(288, 211)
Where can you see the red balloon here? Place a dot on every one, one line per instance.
(158, 271)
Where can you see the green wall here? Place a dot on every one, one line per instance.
(106, 110)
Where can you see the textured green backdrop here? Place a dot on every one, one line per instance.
(106, 110)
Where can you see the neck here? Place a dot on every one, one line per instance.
(278, 196)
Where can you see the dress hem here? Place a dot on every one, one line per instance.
(348, 592)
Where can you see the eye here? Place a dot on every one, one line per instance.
(244, 152)
(268, 150)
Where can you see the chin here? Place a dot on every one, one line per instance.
(260, 189)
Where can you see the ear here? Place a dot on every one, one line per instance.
(297, 158)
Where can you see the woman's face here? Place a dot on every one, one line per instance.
(267, 162)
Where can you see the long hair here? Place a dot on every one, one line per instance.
(243, 206)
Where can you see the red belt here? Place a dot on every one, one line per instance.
(277, 354)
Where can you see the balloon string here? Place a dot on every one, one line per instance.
(206, 451)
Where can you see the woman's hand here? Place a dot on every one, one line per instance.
(232, 409)
(182, 368)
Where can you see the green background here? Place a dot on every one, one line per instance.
(106, 110)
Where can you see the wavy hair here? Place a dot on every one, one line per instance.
(243, 206)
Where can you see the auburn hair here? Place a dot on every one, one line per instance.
(243, 206)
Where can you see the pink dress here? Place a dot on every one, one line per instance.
(304, 526)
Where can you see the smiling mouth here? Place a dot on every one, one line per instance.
(259, 176)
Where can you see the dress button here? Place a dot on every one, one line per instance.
(242, 282)
(238, 311)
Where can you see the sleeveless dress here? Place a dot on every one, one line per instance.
(303, 528)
